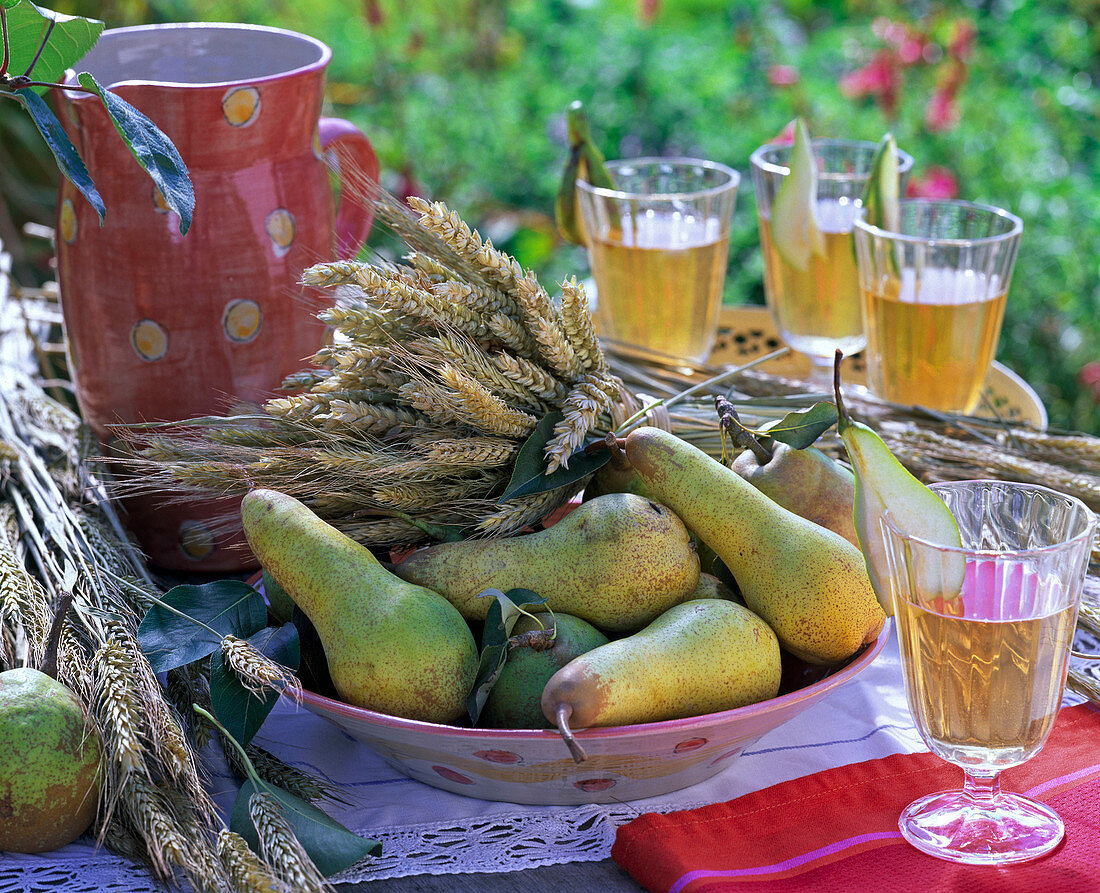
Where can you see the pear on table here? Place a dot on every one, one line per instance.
(884, 485)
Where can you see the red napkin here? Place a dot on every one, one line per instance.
(837, 830)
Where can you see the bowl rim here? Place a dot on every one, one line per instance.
(823, 686)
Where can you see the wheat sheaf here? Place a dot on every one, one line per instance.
(410, 420)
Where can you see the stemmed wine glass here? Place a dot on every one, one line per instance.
(985, 669)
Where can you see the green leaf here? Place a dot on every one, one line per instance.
(153, 151)
(330, 845)
(529, 473)
(239, 710)
(499, 622)
(69, 41)
(64, 152)
(226, 606)
(802, 428)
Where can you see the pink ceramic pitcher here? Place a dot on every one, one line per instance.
(168, 327)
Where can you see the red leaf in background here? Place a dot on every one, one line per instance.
(961, 44)
(935, 182)
(1089, 377)
(782, 76)
(372, 12)
(648, 10)
(942, 111)
(879, 78)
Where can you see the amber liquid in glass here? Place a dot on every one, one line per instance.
(934, 349)
(984, 693)
(817, 309)
(659, 283)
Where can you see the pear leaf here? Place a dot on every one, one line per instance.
(499, 622)
(330, 845)
(153, 151)
(190, 621)
(529, 473)
(67, 41)
(241, 711)
(64, 152)
(801, 428)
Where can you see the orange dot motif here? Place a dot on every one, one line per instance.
(196, 540)
(241, 320)
(67, 221)
(241, 105)
(159, 204)
(280, 227)
(149, 340)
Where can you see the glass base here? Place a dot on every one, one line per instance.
(954, 826)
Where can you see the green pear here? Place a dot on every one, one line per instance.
(884, 484)
(50, 756)
(809, 583)
(711, 587)
(391, 646)
(515, 700)
(280, 606)
(698, 657)
(617, 561)
(804, 481)
(617, 476)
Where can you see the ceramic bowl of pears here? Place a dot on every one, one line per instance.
(657, 675)
(626, 762)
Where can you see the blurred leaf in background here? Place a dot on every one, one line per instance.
(465, 102)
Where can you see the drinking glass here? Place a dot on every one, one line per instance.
(934, 298)
(817, 309)
(985, 669)
(658, 245)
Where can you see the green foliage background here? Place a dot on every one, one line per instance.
(464, 101)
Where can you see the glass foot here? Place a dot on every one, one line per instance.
(954, 826)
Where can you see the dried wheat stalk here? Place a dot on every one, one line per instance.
(58, 533)
(439, 369)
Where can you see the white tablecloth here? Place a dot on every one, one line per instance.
(428, 831)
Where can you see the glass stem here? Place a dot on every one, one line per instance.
(982, 787)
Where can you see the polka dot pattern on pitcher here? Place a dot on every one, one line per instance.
(67, 221)
(241, 105)
(196, 540)
(149, 339)
(280, 227)
(241, 320)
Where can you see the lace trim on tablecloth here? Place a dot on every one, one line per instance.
(498, 843)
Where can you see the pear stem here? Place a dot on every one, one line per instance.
(53, 638)
(562, 715)
(843, 418)
(730, 422)
(617, 447)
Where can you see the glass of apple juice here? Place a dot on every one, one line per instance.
(985, 668)
(934, 295)
(658, 246)
(815, 300)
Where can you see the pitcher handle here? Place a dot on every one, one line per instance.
(354, 216)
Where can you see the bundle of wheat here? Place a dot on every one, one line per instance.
(411, 419)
